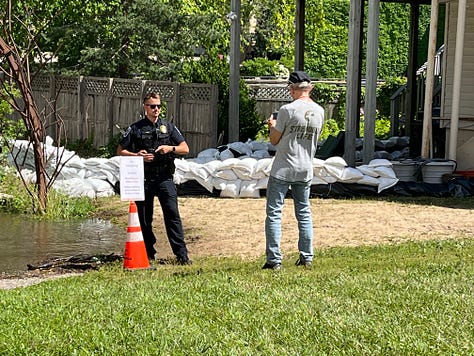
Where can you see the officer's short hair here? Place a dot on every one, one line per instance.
(153, 94)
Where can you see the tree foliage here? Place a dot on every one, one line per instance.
(190, 40)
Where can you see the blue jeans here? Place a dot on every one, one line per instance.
(276, 191)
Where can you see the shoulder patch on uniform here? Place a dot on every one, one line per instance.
(127, 132)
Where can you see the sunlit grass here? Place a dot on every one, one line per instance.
(408, 299)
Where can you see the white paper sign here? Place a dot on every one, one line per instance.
(132, 178)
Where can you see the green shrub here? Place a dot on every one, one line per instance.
(59, 205)
(385, 91)
(260, 67)
(382, 127)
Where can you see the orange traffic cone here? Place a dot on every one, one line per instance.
(135, 256)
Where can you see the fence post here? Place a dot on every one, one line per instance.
(110, 109)
(81, 113)
(176, 104)
(214, 101)
(50, 110)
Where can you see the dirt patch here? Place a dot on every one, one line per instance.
(235, 227)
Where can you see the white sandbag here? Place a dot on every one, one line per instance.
(366, 170)
(385, 183)
(335, 161)
(266, 170)
(181, 165)
(206, 183)
(318, 163)
(75, 162)
(82, 173)
(262, 168)
(111, 177)
(336, 171)
(242, 175)
(244, 168)
(109, 168)
(100, 185)
(368, 180)
(350, 175)
(227, 174)
(379, 162)
(262, 183)
(95, 174)
(248, 189)
(324, 175)
(114, 161)
(229, 163)
(385, 172)
(213, 166)
(197, 170)
(68, 173)
(318, 181)
(231, 189)
(75, 187)
(28, 175)
(95, 161)
(179, 177)
(219, 183)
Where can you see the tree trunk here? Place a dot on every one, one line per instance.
(31, 119)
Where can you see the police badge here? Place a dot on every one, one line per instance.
(163, 129)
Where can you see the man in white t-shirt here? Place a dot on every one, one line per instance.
(295, 135)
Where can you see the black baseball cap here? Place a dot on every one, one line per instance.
(298, 77)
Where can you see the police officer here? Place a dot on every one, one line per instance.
(157, 142)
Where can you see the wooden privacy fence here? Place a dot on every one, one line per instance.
(92, 108)
(271, 94)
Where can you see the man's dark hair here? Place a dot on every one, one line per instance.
(151, 95)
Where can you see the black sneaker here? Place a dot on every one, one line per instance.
(273, 266)
(183, 261)
(306, 264)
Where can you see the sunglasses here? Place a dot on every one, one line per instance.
(153, 106)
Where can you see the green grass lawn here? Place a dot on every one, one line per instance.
(409, 299)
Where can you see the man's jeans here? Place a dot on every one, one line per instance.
(276, 191)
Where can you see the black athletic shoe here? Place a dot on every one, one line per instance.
(306, 264)
(183, 261)
(275, 267)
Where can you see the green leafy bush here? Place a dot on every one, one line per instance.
(260, 67)
(59, 205)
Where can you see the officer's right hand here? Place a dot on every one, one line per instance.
(147, 157)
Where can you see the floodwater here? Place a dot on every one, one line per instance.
(26, 241)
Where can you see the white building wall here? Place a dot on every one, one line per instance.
(465, 148)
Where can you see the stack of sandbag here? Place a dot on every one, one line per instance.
(237, 170)
(243, 177)
(91, 177)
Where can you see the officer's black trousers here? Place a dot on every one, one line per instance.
(163, 187)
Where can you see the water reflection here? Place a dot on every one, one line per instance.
(24, 241)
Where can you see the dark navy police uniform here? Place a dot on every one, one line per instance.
(143, 134)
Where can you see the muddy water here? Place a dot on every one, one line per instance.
(24, 241)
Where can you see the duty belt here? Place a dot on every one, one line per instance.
(154, 170)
